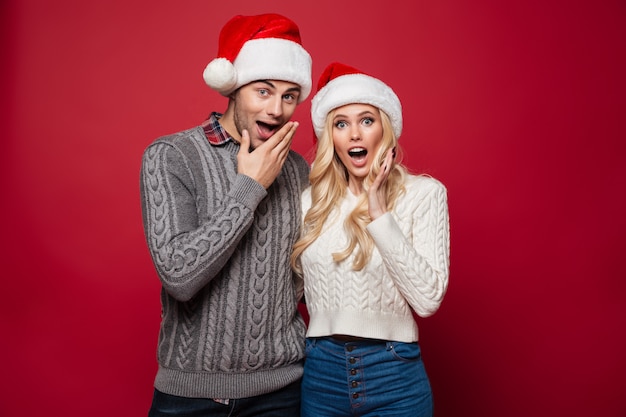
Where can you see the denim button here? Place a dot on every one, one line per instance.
(350, 348)
(352, 371)
(355, 395)
(355, 384)
(352, 360)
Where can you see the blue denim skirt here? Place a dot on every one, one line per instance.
(364, 378)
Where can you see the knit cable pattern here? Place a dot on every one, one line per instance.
(408, 271)
(220, 244)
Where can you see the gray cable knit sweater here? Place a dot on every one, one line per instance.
(220, 244)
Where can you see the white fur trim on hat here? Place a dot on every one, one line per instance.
(262, 59)
(355, 88)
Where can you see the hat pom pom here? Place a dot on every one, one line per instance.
(220, 75)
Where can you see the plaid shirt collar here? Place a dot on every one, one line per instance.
(214, 131)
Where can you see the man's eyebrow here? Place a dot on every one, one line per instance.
(266, 82)
(296, 88)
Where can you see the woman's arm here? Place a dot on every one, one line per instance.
(416, 252)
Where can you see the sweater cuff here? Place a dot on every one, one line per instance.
(384, 230)
(247, 191)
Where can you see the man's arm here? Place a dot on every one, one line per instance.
(189, 252)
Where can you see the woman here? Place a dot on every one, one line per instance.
(374, 250)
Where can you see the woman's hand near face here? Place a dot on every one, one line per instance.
(377, 200)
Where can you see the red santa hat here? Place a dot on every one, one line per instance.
(341, 84)
(262, 47)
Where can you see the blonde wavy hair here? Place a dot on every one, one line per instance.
(329, 183)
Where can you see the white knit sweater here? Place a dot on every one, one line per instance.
(408, 270)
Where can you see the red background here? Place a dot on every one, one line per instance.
(518, 107)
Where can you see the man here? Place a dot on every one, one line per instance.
(221, 210)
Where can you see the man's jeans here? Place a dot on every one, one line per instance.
(282, 403)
